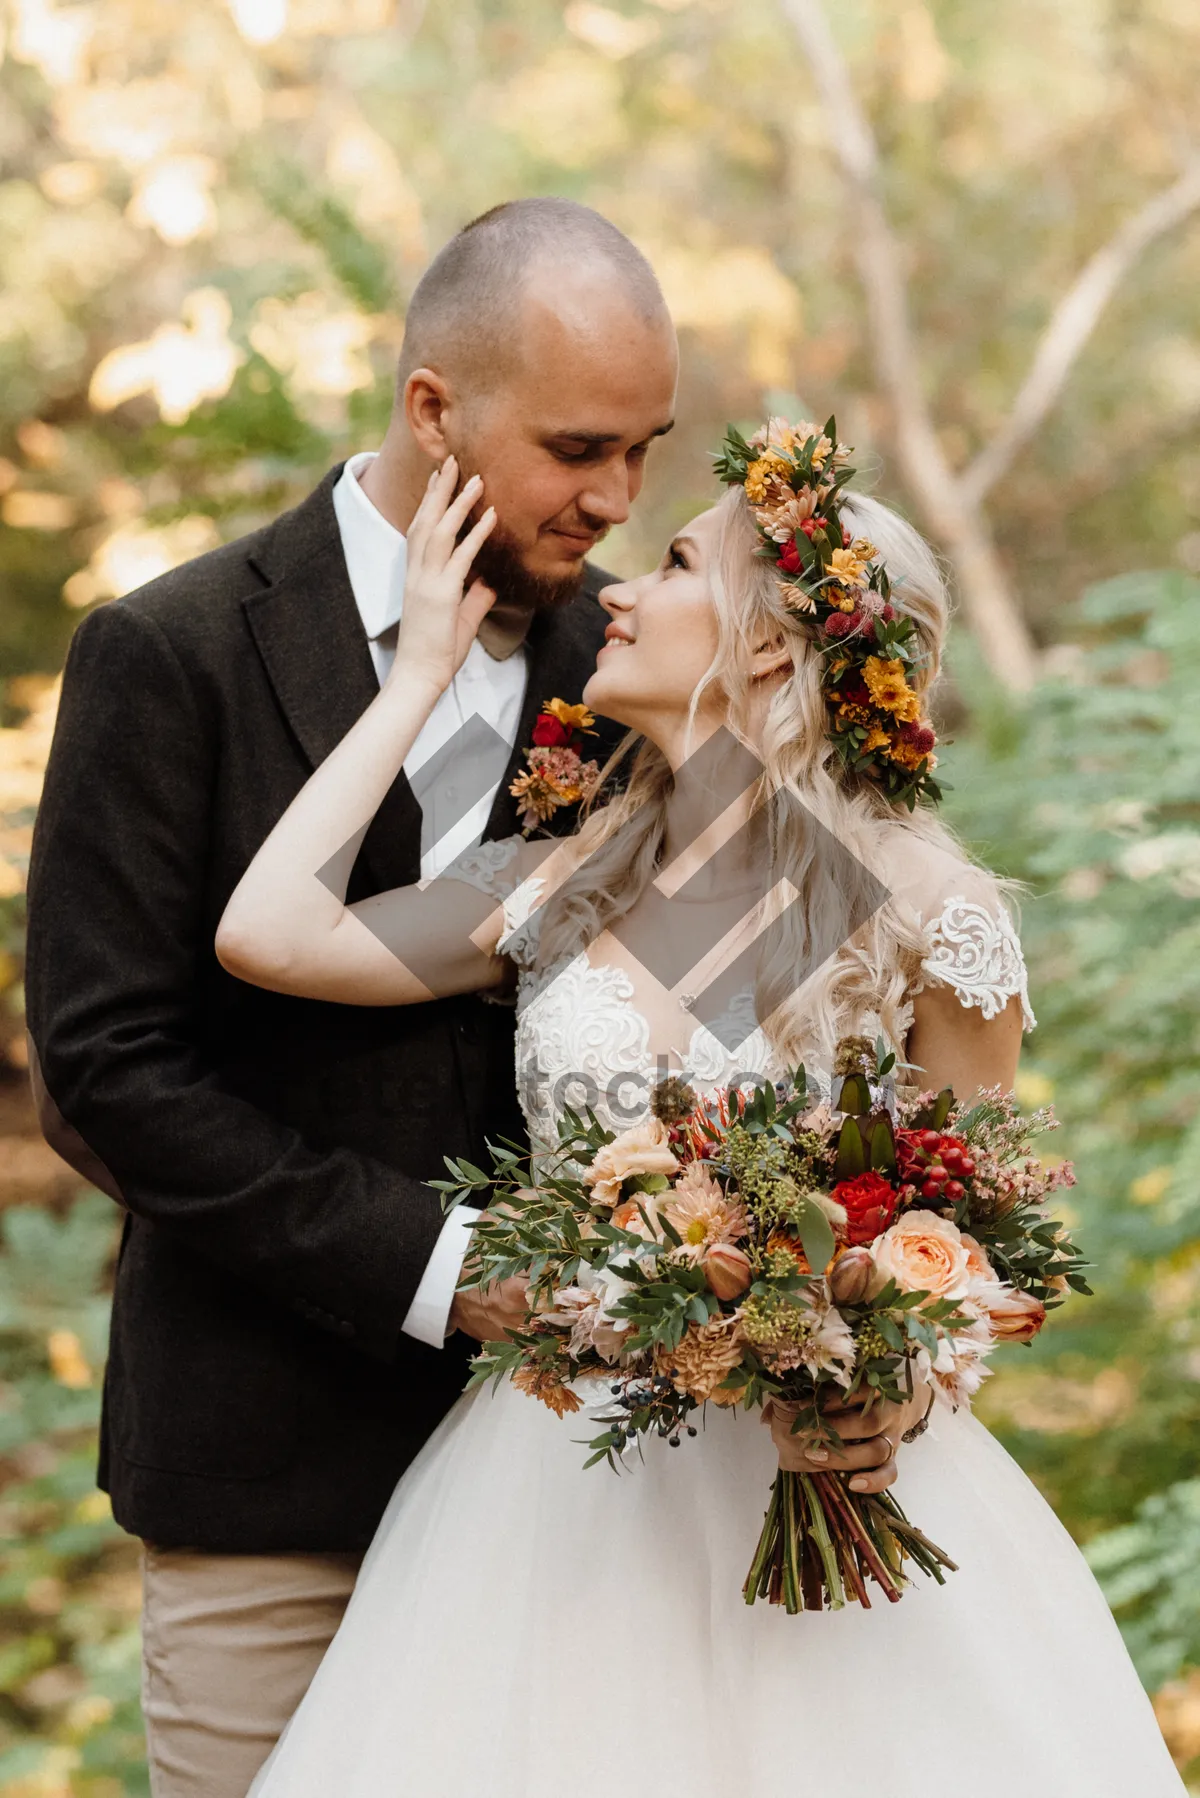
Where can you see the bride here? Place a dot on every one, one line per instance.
(521, 1628)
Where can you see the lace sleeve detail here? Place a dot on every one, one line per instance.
(978, 953)
(522, 921)
(493, 869)
(490, 868)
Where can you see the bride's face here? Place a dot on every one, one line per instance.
(662, 640)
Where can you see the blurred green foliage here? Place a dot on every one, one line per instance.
(69, 1670)
(1148, 1571)
(1092, 795)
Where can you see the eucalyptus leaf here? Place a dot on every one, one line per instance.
(816, 1234)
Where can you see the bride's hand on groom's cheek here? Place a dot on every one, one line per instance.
(489, 1314)
(439, 620)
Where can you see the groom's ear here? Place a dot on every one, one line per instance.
(428, 400)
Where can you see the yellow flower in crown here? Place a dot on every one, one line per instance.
(910, 755)
(770, 469)
(849, 566)
(890, 690)
(823, 445)
(850, 712)
(571, 717)
(777, 433)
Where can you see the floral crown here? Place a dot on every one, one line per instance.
(794, 477)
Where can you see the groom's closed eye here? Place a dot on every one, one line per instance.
(591, 449)
(581, 446)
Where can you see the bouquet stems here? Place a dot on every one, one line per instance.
(821, 1543)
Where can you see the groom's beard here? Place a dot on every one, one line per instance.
(499, 566)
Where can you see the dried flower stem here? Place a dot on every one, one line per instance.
(821, 1543)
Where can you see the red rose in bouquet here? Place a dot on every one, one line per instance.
(870, 1205)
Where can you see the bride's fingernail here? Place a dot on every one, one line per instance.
(858, 1485)
(818, 1454)
(472, 484)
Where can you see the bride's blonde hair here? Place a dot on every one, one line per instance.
(867, 979)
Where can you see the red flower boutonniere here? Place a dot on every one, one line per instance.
(557, 774)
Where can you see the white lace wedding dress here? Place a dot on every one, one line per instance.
(523, 1629)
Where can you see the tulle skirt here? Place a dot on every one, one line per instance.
(524, 1629)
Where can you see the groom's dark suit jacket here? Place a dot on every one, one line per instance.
(269, 1151)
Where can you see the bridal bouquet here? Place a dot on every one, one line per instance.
(762, 1247)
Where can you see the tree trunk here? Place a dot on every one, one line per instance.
(989, 603)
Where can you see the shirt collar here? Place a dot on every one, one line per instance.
(376, 552)
(377, 561)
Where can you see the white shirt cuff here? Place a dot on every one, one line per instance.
(428, 1317)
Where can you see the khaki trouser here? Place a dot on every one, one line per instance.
(229, 1646)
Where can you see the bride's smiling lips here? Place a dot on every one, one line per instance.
(614, 637)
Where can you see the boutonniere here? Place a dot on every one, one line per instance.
(556, 774)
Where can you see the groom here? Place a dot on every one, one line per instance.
(283, 1322)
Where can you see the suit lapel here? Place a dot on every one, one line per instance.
(309, 634)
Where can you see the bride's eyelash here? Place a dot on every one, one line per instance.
(675, 558)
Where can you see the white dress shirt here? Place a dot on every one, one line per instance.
(376, 561)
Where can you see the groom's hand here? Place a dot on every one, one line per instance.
(489, 1314)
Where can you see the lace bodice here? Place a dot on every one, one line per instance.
(581, 1041)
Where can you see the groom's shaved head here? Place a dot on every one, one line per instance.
(539, 353)
(468, 315)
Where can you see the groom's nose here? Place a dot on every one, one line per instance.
(610, 492)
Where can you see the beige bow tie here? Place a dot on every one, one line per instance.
(502, 630)
(505, 628)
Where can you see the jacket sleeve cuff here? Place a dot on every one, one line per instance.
(428, 1317)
